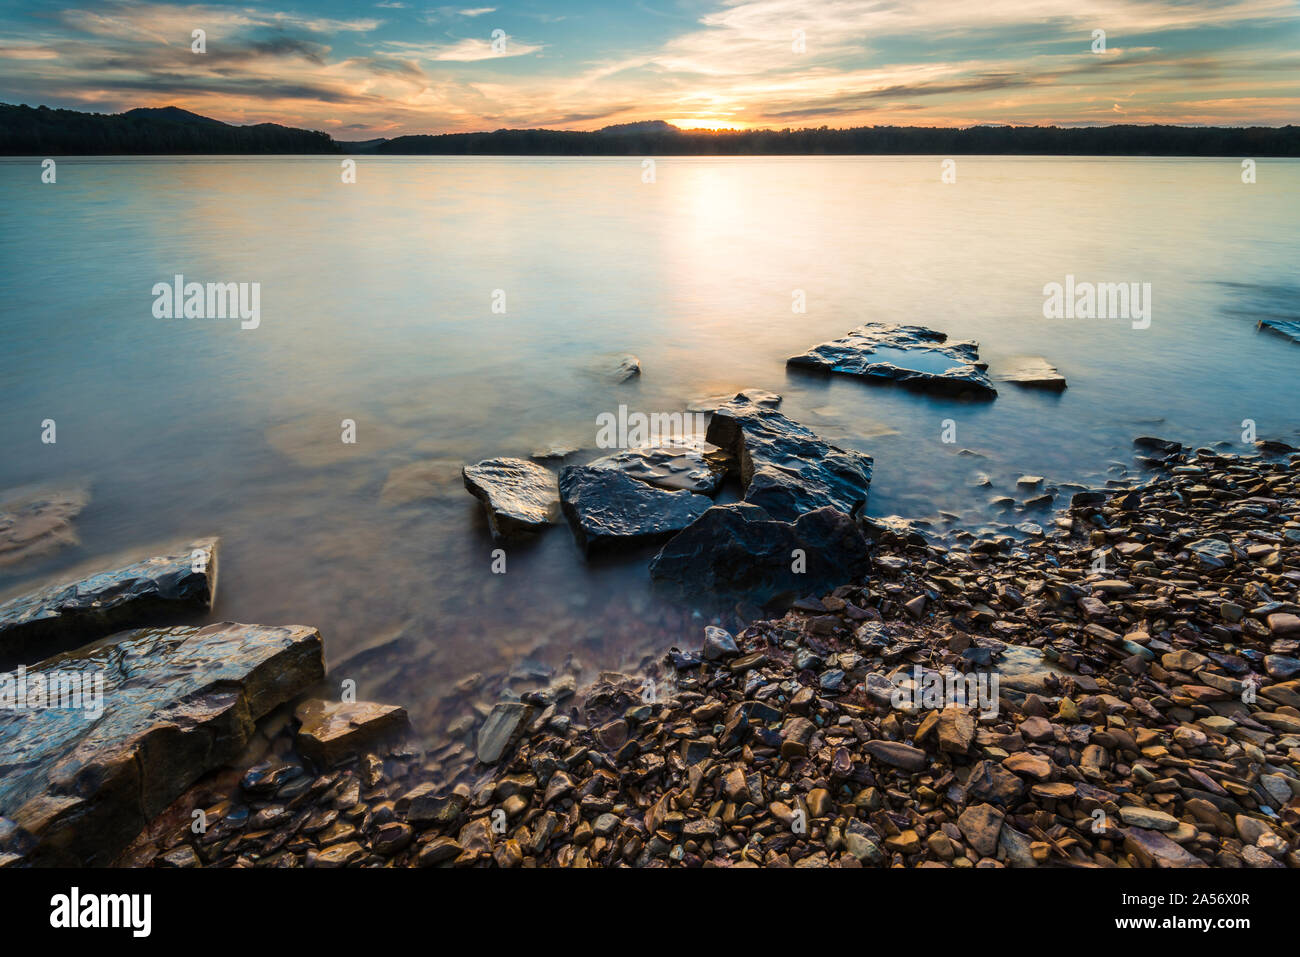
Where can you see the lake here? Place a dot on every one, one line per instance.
(460, 308)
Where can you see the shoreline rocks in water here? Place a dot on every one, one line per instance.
(52, 619)
(607, 508)
(1149, 717)
(784, 467)
(912, 356)
(34, 523)
(690, 466)
(519, 497)
(176, 703)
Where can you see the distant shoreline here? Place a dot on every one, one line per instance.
(39, 131)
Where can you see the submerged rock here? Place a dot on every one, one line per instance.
(913, 356)
(607, 508)
(518, 496)
(692, 466)
(1033, 372)
(56, 618)
(35, 523)
(175, 703)
(1290, 328)
(626, 366)
(784, 467)
(714, 402)
(741, 550)
(331, 730)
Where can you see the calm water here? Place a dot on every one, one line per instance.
(376, 306)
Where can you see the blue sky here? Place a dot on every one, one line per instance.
(397, 66)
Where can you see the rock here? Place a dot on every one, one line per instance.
(1155, 850)
(341, 855)
(1033, 372)
(742, 551)
(913, 356)
(896, 754)
(607, 508)
(518, 496)
(690, 466)
(626, 366)
(503, 725)
(1211, 552)
(1288, 328)
(714, 402)
(36, 522)
(784, 467)
(981, 825)
(438, 851)
(332, 731)
(1161, 446)
(1281, 624)
(59, 617)
(956, 729)
(1148, 818)
(176, 703)
(718, 644)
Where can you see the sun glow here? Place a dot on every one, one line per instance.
(707, 123)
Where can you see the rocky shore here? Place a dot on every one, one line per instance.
(1146, 713)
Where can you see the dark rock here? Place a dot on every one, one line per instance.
(331, 731)
(178, 703)
(740, 550)
(784, 467)
(913, 356)
(57, 618)
(689, 466)
(607, 508)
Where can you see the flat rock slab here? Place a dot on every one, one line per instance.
(36, 523)
(503, 726)
(332, 731)
(519, 496)
(784, 467)
(690, 466)
(912, 356)
(61, 616)
(174, 703)
(607, 508)
(1032, 372)
(742, 551)
(714, 402)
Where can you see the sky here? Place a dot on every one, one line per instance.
(366, 69)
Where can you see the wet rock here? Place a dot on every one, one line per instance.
(714, 402)
(1032, 372)
(913, 356)
(718, 644)
(331, 731)
(56, 618)
(689, 466)
(177, 702)
(784, 467)
(740, 550)
(896, 754)
(625, 366)
(502, 727)
(518, 496)
(981, 825)
(608, 509)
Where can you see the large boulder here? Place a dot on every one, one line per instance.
(518, 496)
(606, 508)
(784, 467)
(59, 617)
(157, 709)
(913, 356)
(741, 551)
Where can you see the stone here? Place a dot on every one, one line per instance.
(981, 825)
(57, 618)
(896, 754)
(1148, 818)
(331, 731)
(36, 522)
(741, 551)
(718, 644)
(692, 466)
(177, 703)
(1155, 850)
(956, 729)
(607, 508)
(625, 366)
(1281, 624)
(1032, 372)
(912, 356)
(784, 467)
(518, 496)
(502, 727)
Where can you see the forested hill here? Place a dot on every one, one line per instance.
(39, 131)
